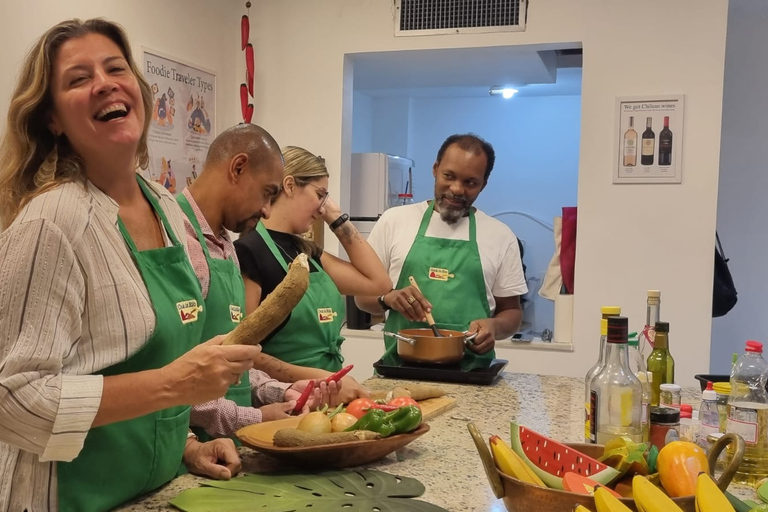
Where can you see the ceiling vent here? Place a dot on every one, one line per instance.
(430, 17)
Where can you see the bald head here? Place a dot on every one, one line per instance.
(241, 175)
(249, 139)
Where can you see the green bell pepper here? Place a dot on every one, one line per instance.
(374, 420)
(398, 421)
(405, 418)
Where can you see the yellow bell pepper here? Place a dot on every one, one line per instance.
(679, 464)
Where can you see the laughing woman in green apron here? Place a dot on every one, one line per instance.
(311, 336)
(467, 264)
(100, 310)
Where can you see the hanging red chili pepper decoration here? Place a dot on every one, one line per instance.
(245, 31)
(246, 89)
(249, 66)
(243, 99)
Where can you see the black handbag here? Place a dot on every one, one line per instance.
(724, 294)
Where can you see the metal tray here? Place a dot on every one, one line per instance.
(442, 373)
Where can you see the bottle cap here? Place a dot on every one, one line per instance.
(603, 327)
(686, 411)
(709, 393)
(754, 346)
(610, 310)
(401, 196)
(672, 388)
(655, 294)
(662, 326)
(665, 415)
(617, 329)
(722, 388)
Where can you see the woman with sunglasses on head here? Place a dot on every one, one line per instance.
(311, 336)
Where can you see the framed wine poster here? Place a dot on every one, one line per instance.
(649, 136)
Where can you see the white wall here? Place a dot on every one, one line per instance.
(198, 31)
(741, 205)
(362, 123)
(301, 43)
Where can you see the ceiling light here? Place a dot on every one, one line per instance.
(504, 92)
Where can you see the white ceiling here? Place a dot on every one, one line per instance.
(466, 72)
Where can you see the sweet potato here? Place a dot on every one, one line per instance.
(415, 391)
(291, 437)
(275, 308)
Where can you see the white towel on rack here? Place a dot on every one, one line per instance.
(553, 279)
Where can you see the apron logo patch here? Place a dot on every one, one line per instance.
(439, 274)
(235, 314)
(325, 315)
(188, 311)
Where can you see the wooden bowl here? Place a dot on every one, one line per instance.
(520, 496)
(328, 456)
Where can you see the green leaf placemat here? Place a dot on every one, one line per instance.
(355, 491)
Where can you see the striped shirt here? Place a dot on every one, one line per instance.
(72, 303)
(224, 417)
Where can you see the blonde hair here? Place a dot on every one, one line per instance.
(32, 159)
(305, 168)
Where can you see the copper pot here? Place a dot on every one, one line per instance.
(422, 346)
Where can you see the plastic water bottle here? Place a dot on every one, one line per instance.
(708, 416)
(748, 413)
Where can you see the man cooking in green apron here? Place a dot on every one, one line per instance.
(466, 263)
(241, 175)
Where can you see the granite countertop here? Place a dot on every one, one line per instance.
(445, 459)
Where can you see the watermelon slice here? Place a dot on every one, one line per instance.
(551, 460)
(573, 482)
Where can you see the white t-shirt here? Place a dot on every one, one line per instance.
(394, 233)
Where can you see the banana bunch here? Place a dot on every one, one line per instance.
(709, 497)
(511, 464)
(649, 498)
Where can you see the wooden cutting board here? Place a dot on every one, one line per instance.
(434, 407)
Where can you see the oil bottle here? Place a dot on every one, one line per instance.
(748, 413)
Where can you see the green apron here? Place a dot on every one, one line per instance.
(450, 274)
(312, 336)
(224, 306)
(123, 460)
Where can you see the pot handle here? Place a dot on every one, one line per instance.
(400, 337)
(485, 455)
(738, 455)
(469, 339)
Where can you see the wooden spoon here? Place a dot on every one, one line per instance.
(430, 319)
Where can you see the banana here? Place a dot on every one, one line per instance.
(649, 498)
(709, 497)
(581, 508)
(511, 464)
(607, 502)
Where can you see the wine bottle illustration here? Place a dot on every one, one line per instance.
(665, 144)
(630, 144)
(649, 143)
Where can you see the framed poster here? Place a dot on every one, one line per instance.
(649, 136)
(182, 121)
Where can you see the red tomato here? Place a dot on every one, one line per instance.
(403, 401)
(359, 406)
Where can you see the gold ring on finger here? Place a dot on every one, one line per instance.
(411, 299)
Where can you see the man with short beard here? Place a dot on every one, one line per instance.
(466, 263)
